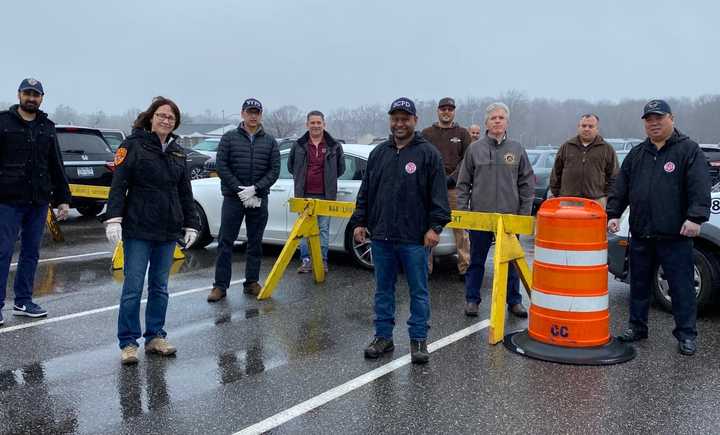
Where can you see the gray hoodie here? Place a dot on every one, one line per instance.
(496, 178)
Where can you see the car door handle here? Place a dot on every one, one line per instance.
(278, 189)
(345, 192)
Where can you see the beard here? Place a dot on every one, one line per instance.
(29, 107)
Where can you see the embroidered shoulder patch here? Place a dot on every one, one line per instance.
(120, 155)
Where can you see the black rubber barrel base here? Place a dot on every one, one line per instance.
(615, 352)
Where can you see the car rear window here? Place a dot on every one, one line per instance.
(86, 143)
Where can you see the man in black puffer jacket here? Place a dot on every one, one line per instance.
(666, 183)
(248, 162)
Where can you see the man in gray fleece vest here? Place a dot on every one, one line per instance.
(495, 177)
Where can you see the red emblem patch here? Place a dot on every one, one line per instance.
(410, 168)
(669, 167)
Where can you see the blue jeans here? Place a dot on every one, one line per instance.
(676, 258)
(231, 217)
(480, 242)
(386, 258)
(324, 225)
(29, 221)
(138, 253)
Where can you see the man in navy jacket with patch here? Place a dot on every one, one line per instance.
(403, 203)
(665, 181)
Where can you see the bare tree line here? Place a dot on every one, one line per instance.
(533, 121)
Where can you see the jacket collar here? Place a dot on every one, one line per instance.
(576, 141)
(452, 125)
(241, 128)
(493, 141)
(41, 116)
(417, 138)
(674, 138)
(329, 140)
(152, 141)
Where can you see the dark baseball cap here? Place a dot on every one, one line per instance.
(447, 101)
(404, 104)
(252, 103)
(31, 84)
(659, 107)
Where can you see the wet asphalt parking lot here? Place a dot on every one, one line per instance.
(294, 364)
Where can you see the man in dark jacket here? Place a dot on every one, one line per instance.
(584, 165)
(31, 176)
(316, 161)
(495, 177)
(452, 140)
(248, 162)
(666, 183)
(403, 204)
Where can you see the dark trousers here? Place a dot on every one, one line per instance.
(29, 221)
(233, 213)
(480, 242)
(676, 258)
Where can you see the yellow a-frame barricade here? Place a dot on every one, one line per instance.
(507, 248)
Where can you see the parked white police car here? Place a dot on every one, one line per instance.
(706, 255)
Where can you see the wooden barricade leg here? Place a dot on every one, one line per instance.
(302, 226)
(499, 288)
(118, 259)
(53, 226)
(315, 250)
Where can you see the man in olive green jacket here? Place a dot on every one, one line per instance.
(585, 165)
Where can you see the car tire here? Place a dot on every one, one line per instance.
(204, 237)
(90, 210)
(360, 253)
(706, 277)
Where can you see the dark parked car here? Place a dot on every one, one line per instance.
(712, 152)
(88, 160)
(542, 160)
(196, 163)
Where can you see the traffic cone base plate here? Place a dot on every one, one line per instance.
(614, 352)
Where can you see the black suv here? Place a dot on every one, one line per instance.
(88, 161)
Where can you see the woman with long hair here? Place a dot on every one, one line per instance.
(150, 208)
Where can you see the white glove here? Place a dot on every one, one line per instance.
(252, 202)
(191, 234)
(246, 192)
(62, 212)
(113, 232)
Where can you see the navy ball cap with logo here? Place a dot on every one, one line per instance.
(403, 104)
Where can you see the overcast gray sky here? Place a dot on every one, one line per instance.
(322, 54)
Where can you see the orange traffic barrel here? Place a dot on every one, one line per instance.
(569, 313)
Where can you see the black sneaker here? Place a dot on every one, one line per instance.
(29, 309)
(378, 347)
(419, 352)
(471, 309)
(631, 335)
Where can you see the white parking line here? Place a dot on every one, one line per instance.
(339, 391)
(89, 254)
(4, 330)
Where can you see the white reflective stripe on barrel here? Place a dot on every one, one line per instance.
(576, 304)
(571, 258)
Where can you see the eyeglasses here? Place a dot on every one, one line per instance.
(164, 117)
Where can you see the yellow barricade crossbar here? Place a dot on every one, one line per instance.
(507, 248)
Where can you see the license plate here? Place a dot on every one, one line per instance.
(85, 172)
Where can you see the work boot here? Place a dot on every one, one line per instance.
(252, 288)
(306, 266)
(128, 355)
(419, 352)
(216, 294)
(687, 347)
(471, 309)
(518, 310)
(378, 347)
(631, 335)
(160, 346)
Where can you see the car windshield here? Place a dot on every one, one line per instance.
(207, 145)
(619, 145)
(533, 157)
(81, 142)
